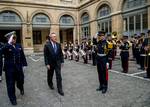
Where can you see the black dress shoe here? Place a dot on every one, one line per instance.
(104, 91)
(14, 102)
(61, 92)
(51, 87)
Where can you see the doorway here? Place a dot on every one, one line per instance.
(66, 35)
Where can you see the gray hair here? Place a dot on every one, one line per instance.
(52, 34)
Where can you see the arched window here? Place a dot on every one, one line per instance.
(66, 21)
(41, 20)
(9, 18)
(104, 10)
(135, 16)
(67, 26)
(129, 4)
(85, 26)
(104, 18)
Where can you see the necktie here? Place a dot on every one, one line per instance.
(55, 48)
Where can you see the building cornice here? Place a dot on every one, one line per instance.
(86, 4)
(38, 5)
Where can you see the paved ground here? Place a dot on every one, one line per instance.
(80, 83)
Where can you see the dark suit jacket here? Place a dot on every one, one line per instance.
(14, 57)
(52, 58)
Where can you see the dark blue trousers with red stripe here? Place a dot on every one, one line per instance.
(102, 71)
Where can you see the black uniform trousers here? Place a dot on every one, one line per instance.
(102, 71)
(148, 66)
(137, 56)
(125, 61)
(93, 58)
(13, 76)
(142, 58)
(50, 74)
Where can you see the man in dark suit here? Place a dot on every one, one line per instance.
(14, 61)
(53, 60)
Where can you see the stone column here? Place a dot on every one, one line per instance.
(27, 38)
(117, 24)
(75, 34)
(149, 17)
(93, 28)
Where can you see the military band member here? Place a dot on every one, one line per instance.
(94, 51)
(83, 51)
(142, 52)
(125, 45)
(114, 50)
(1, 60)
(110, 47)
(14, 61)
(137, 49)
(102, 62)
(70, 50)
(146, 45)
(76, 50)
(65, 49)
(134, 41)
(89, 49)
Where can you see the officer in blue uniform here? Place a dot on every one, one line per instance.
(102, 61)
(125, 52)
(14, 61)
(1, 60)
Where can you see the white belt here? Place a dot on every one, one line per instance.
(101, 54)
(143, 55)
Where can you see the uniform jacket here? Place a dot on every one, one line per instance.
(102, 49)
(125, 54)
(52, 58)
(13, 57)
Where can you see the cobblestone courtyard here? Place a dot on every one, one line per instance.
(79, 83)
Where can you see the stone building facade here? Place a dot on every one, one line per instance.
(70, 19)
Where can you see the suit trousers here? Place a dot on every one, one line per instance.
(50, 74)
(13, 76)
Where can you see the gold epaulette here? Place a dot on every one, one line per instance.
(110, 45)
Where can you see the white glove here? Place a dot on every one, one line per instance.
(107, 65)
